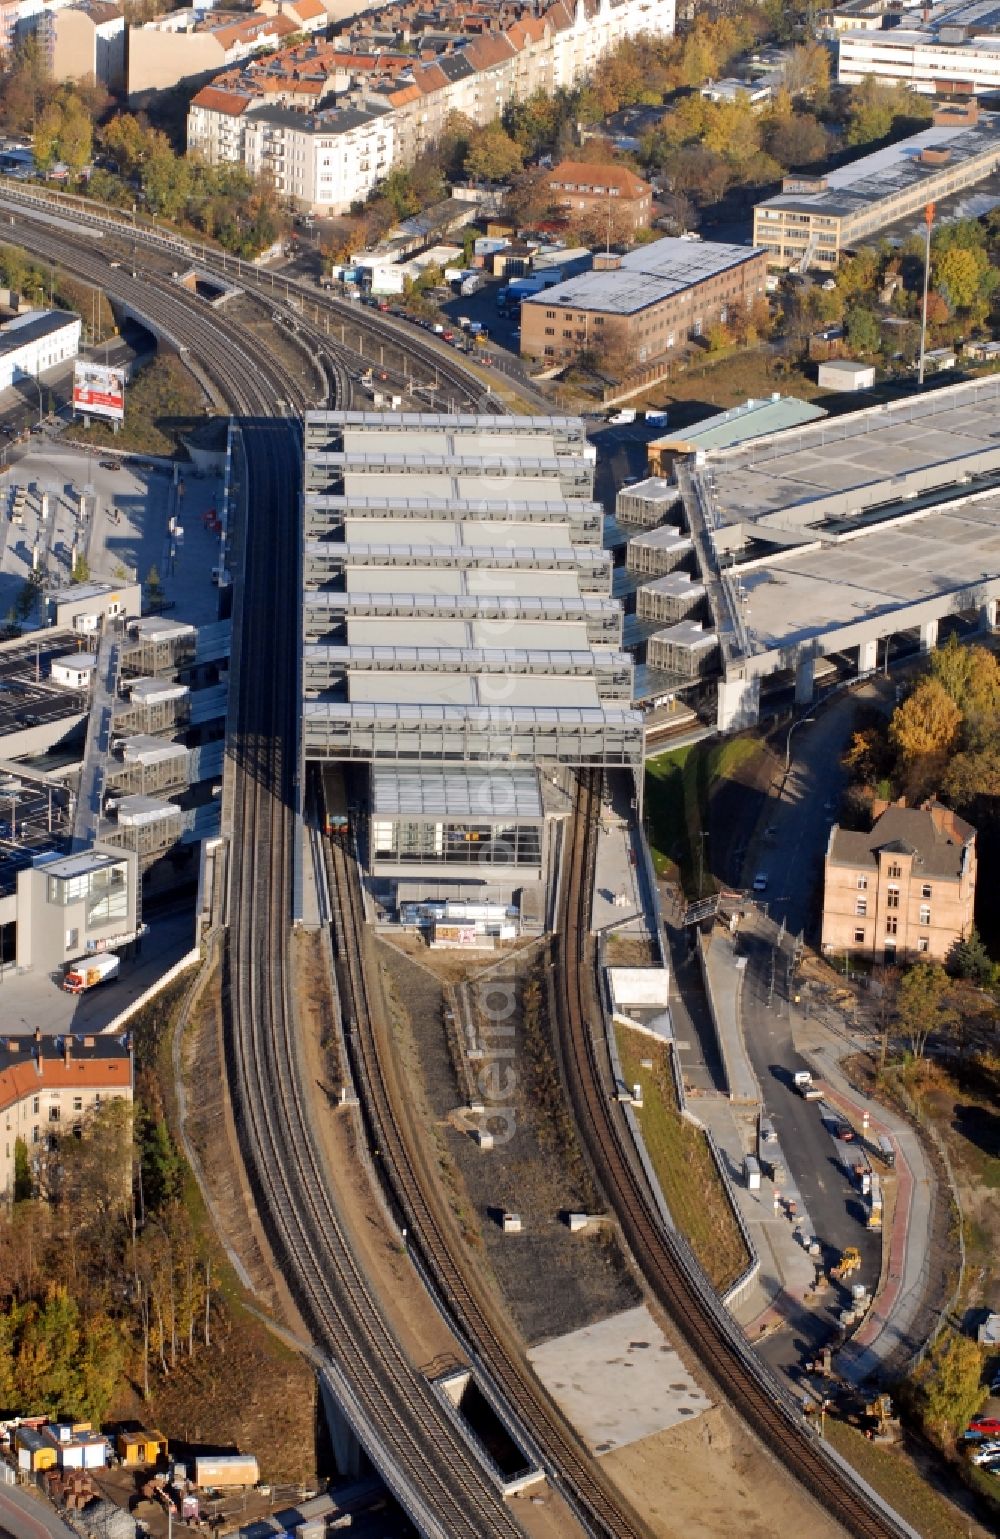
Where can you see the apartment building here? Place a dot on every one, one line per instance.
(581, 190)
(36, 341)
(322, 161)
(50, 1086)
(639, 307)
(903, 890)
(188, 44)
(85, 39)
(814, 219)
(953, 49)
(423, 66)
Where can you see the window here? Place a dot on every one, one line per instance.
(36, 1104)
(78, 1103)
(861, 907)
(862, 884)
(34, 1134)
(894, 873)
(891, 924)
(925, 891)
(923, 944)
(568, 332)
(550, 315)
(53, 1114)
(925, 913)
(859, 937)
(550, 331)
(892, 897)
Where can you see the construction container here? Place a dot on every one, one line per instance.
(225, 1470)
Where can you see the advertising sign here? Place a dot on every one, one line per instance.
(99, 391)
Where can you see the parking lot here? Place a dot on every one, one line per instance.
(124, 530)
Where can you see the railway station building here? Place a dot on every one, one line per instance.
(461, 646)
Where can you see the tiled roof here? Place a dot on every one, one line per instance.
(215, 100)
(580, 174)
(935, 836)
(28, 1066)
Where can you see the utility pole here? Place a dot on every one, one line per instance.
(928, 221)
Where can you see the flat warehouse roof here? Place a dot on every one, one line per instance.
(647, 276)
(921, 557)
(456, 792)
(890, 170)
(864, 452)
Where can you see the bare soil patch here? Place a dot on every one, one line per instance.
(551, 1281)
(708, 1477)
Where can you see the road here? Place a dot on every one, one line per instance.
(25, 1516)
(797, 830)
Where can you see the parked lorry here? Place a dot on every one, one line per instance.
(102, 967)
(806, 1086)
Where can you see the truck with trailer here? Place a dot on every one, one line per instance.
(806, 1086)
(88, 973)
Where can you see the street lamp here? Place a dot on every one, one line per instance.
(38, 387)
(788, 740)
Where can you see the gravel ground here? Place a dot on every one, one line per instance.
(551, 1281)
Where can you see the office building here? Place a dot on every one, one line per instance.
(950, 49)
(641, 306)
(905, 889)
(814, 219)
(35, 342)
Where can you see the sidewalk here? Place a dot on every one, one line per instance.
(723, 971)
(787, 1271)
(887, 1325)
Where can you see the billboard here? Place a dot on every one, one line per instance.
(99, 391)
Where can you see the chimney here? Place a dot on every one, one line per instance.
(67, 1049)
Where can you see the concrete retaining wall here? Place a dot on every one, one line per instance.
(190, 959)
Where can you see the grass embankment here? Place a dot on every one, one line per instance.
(895, 1477)
(679, 786)
(689, 1178)
(162, 403)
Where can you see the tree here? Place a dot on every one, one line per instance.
(154, 588)
(927, 722)
(76, 138)
(923, 1006)
(948, 1386)
(22, 1171)
(493, 156)
(864, 334)
(81, 570)
(957, 273)
(47, 135)
(798, 140)
(969, 959)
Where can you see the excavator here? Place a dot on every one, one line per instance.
(850, 1261)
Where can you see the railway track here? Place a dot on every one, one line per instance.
(538, 1425)
(395, 1411)
(663, 1258)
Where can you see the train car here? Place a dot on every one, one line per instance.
(335, 820)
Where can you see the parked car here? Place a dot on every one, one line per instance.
(986, 1426)
(760, 882)
(110, 464)
(986, 1452)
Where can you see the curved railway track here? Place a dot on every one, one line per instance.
(419, 1451)
(666, 1264)
(550, 1439)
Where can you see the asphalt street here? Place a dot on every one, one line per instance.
(24, 1516)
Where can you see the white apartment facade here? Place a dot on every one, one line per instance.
(479, 79)
(36, 341)
(322, 161)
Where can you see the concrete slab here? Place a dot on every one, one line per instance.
(618, 1380)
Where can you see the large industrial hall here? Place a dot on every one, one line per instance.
(461, 646)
